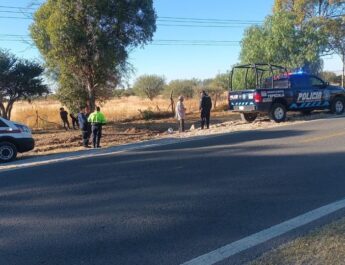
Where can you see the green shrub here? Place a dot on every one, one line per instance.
(154, 115)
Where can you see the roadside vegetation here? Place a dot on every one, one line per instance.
(321, 246)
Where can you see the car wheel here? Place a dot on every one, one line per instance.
(248, 117)
(338, 106)
(278, 112)
(8, 152)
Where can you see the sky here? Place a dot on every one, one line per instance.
(194, 38)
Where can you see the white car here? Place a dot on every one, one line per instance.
(14, 137)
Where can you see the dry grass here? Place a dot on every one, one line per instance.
(325, 246)
(115, 110)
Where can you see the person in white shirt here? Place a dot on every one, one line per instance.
(180, 113)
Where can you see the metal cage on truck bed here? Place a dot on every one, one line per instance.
(259, 69)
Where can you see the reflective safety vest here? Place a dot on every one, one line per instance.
(97, 117)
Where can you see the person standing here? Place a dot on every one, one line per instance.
(205, 109)
(97, 120)
(87, 114)
(64, 118)
(180, 111)
(75, 121)
(84, 127)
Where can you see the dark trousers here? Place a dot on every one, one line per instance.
(181, 125)
(96, 134)
(75, 123)
(66, 122)
(205, 119)
(85, 135)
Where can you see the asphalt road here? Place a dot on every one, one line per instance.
(169, 204)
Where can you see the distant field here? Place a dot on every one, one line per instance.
(115, 110)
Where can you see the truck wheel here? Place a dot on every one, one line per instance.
(248, 117)
(338, 105)
(278, 112)
(8, 152)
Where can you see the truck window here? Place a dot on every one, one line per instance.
(300, 81)
(316, 82)
(280, 83)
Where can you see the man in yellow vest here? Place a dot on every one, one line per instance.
(97, 120)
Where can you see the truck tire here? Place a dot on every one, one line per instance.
(278, 112)
(249, 117)
(8, 152)
(338, 105)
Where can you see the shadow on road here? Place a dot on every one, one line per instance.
(161, 205)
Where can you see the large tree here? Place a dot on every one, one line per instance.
(336, 40)
(325, 15)
(19, 79)
(182, 87)
(309, 9)
(218, 86)
(89, 40)
(149, 86)
(279, 41)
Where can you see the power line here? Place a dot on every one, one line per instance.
(237, 25)
(18, 7)
(210, 19)
(160, 18)
(231, 41)
(25, 39)
(2, 35)
(193, 44)
(200, 26)
(12, 37)
(206, 22)
(16, 12)
(15, 17)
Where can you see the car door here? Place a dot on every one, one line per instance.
(321, 95)
(301, 86)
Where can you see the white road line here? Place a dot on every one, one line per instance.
(231, 249)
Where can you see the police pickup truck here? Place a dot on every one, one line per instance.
(282, 91)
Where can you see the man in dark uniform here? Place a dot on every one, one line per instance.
(84, 127)
(205, 109)
(75, 121)
(64, 118)
(87, 114)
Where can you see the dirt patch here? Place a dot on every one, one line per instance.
(54, 141)
(325, 246)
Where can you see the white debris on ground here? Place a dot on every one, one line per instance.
(239, 125)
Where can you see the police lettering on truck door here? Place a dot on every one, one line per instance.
(311, 99)
(309, 96)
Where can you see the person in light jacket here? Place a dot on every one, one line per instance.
(180, 113)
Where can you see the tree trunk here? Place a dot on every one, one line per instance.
(3, 111)
(172, 103)
(92, 98)
(215, 100)
(343, 74)
(9, 108)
